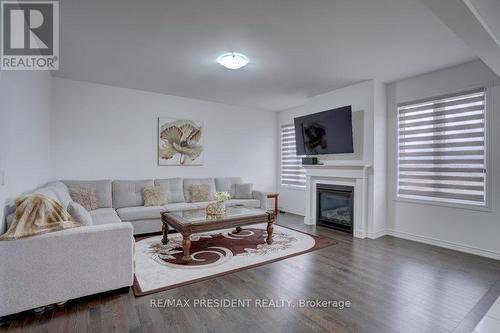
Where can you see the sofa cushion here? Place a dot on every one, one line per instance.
(128, 193)
(140, 213)
(180, 206)
(62, 193)
(79, 213)
(226, 184)
(199, 205)
(197, 181)
(244, 191)
(146, 226)
(85, 196)
(104, 216)
(103, 190)
(175, 192)
(253, 203)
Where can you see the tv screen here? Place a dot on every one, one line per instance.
(327, 132)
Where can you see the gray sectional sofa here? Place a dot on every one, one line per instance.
(67, 264)
(34, 270)
(129, 204)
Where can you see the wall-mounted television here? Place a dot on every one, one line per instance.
(327, 132)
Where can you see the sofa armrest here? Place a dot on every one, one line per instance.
(262, 197)
(64, 265)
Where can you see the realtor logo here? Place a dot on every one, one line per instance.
(30, 35)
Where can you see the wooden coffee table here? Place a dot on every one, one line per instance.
(275, 196)
(195, 221)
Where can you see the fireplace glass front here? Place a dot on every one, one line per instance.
(335, 207)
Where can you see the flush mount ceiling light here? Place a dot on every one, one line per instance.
(232, 60)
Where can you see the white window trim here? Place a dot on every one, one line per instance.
(487, 147)
(292, 187)
(281, 185)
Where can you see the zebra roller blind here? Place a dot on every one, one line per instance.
(441, 148)
(292, 172)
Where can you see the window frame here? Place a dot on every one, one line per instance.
(488, 118)
(287, 186)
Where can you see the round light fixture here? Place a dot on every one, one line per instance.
(232, 60)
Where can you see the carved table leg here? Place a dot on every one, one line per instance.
(164, 229)
(270, 228)
(237, 230)
(186, 246)
(269, 239)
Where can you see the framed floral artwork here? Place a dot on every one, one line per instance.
(180, 142)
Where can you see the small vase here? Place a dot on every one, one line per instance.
(217, 208)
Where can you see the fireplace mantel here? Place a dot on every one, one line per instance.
(348, 173)
(337, 164)
(349, 169)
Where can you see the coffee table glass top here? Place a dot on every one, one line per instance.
(198, 216)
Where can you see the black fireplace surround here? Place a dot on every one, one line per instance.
(335, 207)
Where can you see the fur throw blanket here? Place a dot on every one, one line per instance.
(38, 214)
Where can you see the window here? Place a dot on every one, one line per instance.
(441, 149)
(292, 172)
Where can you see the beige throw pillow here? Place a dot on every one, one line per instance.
(199, 193)
(85, 196)
(154, 195)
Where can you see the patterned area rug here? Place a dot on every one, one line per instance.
(159, 267)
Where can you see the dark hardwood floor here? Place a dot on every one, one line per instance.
(394, 285)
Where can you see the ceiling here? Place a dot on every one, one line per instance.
(297, 48)
(476, 22)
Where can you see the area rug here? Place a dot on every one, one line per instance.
(158, 267)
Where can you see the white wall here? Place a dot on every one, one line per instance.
(101, 131)
(25, 101)
(361, 97)
(378, 182)
(461, 229)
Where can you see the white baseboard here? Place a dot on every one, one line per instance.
(309, 221)
(359, 234)
(377, 234)
(445, 244)
(292, 211)
(417, 238)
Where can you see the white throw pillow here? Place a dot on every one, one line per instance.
(243, 191)
(80, 214)
(10, 219)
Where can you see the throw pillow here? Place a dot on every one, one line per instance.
(243, 191)
(85, 196)
(154, 195)
(199, 193)
(79, 213)
(10, 219)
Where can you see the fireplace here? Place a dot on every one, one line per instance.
(335, 205)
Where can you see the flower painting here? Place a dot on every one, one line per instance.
(180, 142)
